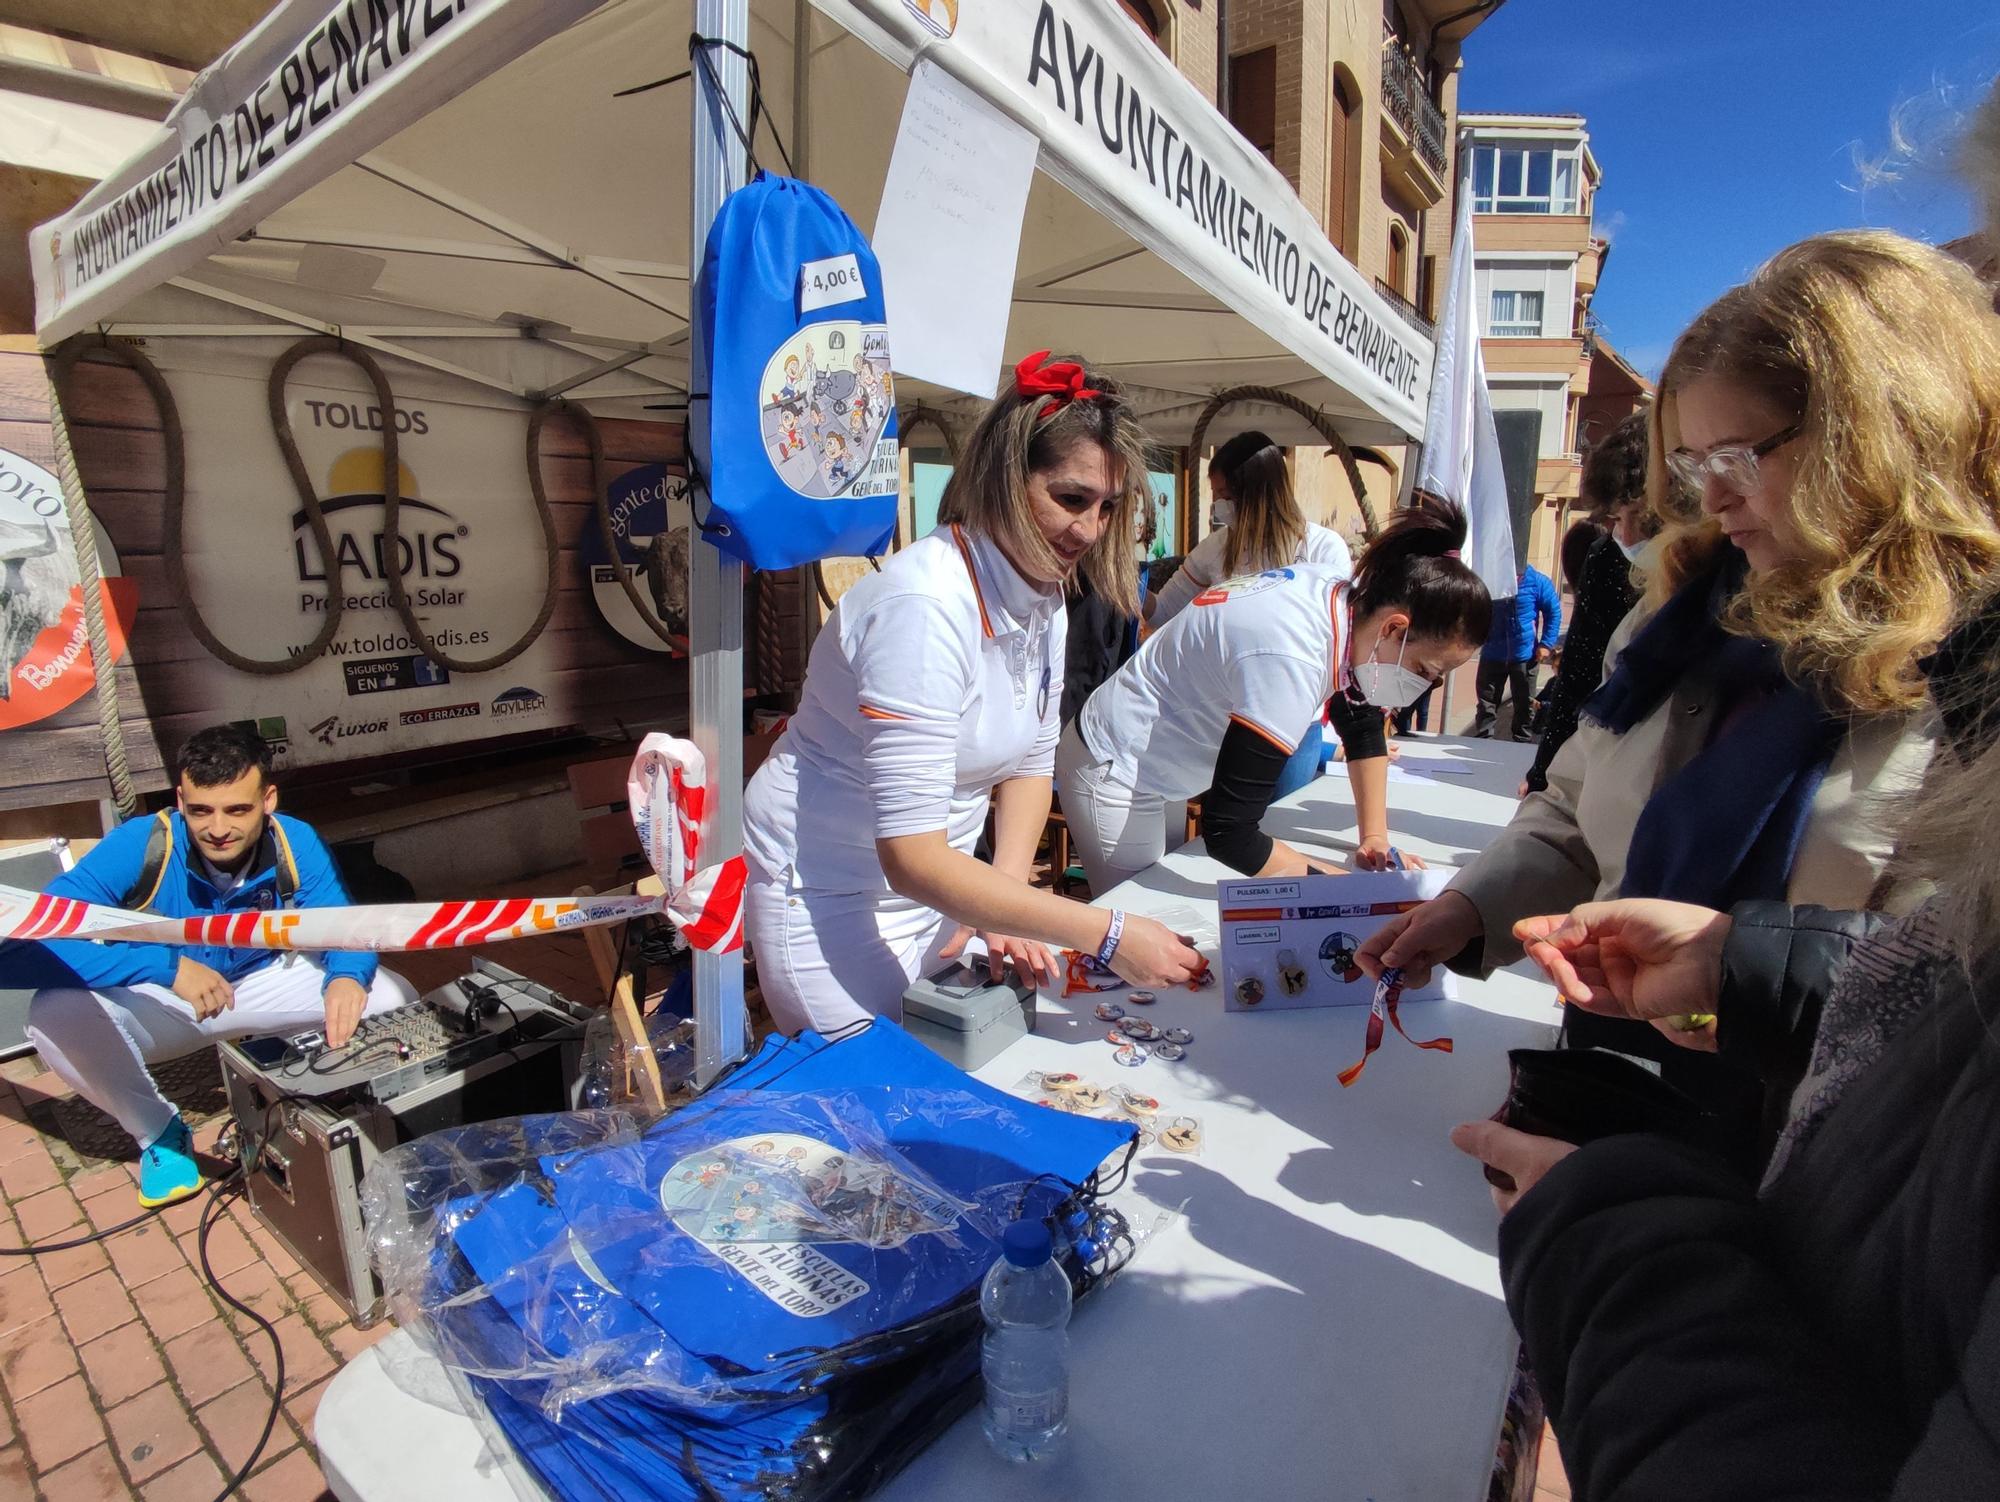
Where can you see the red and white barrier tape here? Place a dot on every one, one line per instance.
(668, 793)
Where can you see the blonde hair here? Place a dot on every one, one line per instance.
(1268, 528)
(1884, 353)
(988, 490)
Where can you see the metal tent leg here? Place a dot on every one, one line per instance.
(715, 583)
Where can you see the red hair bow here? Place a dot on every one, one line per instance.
(1062, 382)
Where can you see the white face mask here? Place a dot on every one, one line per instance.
(1632, 550)
(1221, 512)
(1390, 685)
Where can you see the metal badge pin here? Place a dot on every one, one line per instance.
(1130, 1056)
(1178, 1035)
(1142, 998)
(1202, 978)
(1116, 1039)
(1291, 974)
(1250, 990)
(1137, 1104)
(1139, 1029)
(1108, 1011)
(1184, 1136)
(1173, 1053)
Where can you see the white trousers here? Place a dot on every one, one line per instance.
(1116, 831)
(826, 960)
(100, 1042)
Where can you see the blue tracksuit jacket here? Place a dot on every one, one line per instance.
(107, 875)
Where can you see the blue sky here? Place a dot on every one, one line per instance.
(1728, 129)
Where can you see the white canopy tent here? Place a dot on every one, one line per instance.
(454, 184)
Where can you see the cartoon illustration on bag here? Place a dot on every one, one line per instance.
(823, 421)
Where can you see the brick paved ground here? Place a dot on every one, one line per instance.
(121, 1374)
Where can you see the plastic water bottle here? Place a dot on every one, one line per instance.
(1025, 1358)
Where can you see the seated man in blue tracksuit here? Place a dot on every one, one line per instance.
(104, 1010)
(1523, 633)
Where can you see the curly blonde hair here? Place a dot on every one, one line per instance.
(1885, 353)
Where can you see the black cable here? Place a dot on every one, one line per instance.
(697, 52)
(211, 1213)
(64, 1246)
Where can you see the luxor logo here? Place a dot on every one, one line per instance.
(331, 729)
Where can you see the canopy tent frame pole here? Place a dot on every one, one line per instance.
(715, 583)
(352, 336)
(520, 234)
(516, 254)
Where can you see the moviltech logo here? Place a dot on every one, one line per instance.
(520, 701)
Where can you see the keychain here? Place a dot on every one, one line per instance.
(1142, 1106)
(1184, 1136)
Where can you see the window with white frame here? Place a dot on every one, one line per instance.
(1523, 178)
(1515, 315)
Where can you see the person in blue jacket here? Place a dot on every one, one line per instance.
(1524, 633)
(103, 1011)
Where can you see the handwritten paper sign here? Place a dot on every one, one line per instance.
(949, 231)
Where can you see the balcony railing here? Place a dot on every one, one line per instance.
(1409, 104)
(1407, 308)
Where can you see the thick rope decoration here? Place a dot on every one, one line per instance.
(104, 669)
(173, 544)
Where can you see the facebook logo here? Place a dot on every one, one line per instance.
(429, 674)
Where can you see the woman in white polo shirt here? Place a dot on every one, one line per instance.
(1258, 525)
(933, 689)
(1214, 705)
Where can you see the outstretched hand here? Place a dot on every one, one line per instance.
(1640, 958)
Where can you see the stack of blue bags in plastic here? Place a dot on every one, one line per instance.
(771, 1293)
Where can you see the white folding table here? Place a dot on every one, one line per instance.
(1322, 1316)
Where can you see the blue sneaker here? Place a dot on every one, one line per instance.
(167, 1169)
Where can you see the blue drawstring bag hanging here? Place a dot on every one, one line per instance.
(794, 440)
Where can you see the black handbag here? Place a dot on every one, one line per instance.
(1581, 1094)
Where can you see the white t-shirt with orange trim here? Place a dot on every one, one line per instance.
(1260, 650)
(931, 682)
(1202, 568)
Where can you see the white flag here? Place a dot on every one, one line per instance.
(1461, 454)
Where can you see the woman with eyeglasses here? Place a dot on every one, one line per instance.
(1835, 422)
(935, 691)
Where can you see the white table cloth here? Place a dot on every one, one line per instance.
(1322, 1319)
